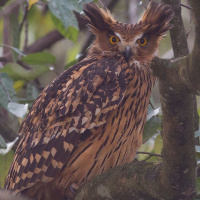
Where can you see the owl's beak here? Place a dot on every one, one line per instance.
(128, 53)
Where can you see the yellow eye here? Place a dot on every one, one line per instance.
(142, 42)
(113, 39)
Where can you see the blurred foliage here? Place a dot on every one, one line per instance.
(7, 92)
(20, 80)
(17, 72)
(31, 2)
(6, 161)
(39, 58)
(3, 144)
(198, 187)
(151, 126)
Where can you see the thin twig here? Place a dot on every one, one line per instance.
(3, 59)
(151, 105)
(150, 154)
(44, 42)
(189, 31)
(24, 17)
(185, 6)
(25, 66)
(26, 35)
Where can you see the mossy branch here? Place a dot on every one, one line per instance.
(137, 180)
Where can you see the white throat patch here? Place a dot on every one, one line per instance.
(132, 43)
(119, 36)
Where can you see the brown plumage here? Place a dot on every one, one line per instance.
(91, 117)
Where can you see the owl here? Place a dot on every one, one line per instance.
(90, 118)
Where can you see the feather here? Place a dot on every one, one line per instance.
(158, 16)
(91, 117)
(47, 163)
(98, 19)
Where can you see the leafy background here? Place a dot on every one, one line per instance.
(25, 74)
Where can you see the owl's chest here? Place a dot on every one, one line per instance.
(130, 116)
(116, 141)
(132, 111)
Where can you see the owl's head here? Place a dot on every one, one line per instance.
(136, 42)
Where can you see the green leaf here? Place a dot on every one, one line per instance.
(6, 90)
(16, 72)
(70, 32)
(197, 147)
(31, 2)
(151, 127)
(39, 58)
(72, 56)
(18, 85)
(68, 65)
(3, 144)
(32, 92)
(63, 10)
(15, 49)
(17, 109)
(64, 18)
(5, 161)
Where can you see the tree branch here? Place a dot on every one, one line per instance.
(136, 180)
(194, 68)
(44, 42)
(24, 17)
(149, 155)
(185, 6)
(179, 48)
(179, 158)
(175, 72)
(12, 7)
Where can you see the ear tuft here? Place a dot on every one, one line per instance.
(158, 17)
(98, 19)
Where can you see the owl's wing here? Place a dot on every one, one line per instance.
(77, 101)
